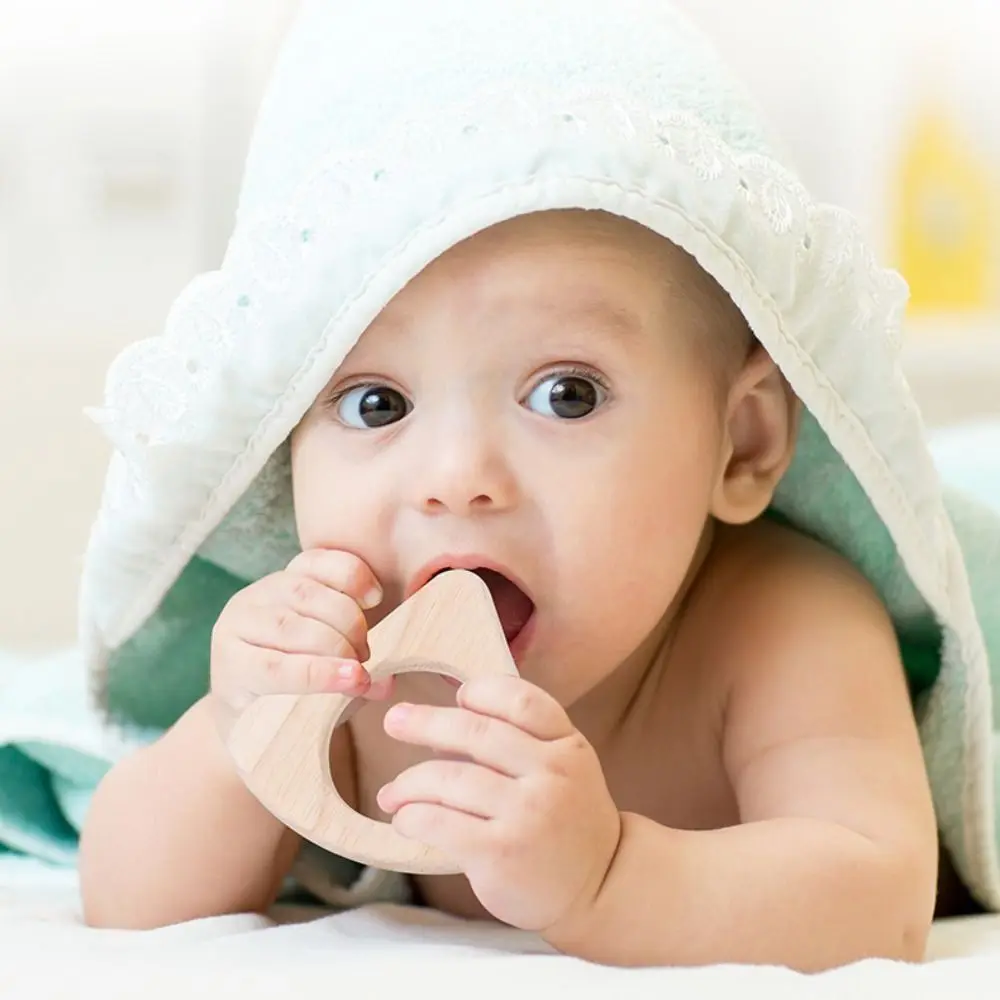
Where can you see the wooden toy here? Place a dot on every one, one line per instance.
(281, 742)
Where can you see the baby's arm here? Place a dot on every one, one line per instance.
(835, 859)
(173, 835)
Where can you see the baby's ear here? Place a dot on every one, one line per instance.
(762, 421)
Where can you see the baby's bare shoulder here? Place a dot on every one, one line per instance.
(799, 623)
(809, 651)
(780, 590)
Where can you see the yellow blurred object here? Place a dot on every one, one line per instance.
(945, 224)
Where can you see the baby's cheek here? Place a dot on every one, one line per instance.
(329, 517)
(637, 561)
(328, 511)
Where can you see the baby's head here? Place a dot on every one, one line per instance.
(566, 398)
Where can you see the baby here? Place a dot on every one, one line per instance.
(710, 754)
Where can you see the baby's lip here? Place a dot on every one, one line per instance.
(513, 604)
(469, 561)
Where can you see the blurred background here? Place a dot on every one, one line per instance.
(123, 125)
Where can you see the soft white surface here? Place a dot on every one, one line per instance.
(387, 951)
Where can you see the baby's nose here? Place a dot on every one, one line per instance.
(464, 492)
(466, 474)
(457, 504)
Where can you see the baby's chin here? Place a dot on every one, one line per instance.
(566, 671)
(602, 657)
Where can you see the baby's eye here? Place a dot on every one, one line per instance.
(568, 397)
(370, 406)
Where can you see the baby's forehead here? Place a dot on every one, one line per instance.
(565, 261)
(563, 282)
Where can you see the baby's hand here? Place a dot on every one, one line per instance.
(299, 631)
(527, 815)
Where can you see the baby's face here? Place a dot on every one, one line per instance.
(534, 402)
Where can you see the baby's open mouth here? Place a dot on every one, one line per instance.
(514, 607)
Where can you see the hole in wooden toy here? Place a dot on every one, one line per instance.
(377, 757)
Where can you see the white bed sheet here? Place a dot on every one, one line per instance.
(46, 952)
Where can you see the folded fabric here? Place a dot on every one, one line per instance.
(53, 751)
(393, 130)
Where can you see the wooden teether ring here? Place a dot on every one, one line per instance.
(280, 744)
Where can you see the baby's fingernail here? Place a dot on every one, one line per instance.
(398, 715)
(372, 599)
(383, 797)
(348, 671)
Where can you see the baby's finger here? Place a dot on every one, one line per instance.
(454, 784)
(341, 571)
(284, 629)
(378, 691)
(381, 690)
(279, 618)
(494, 743)
(269, 671)
(519, 703)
